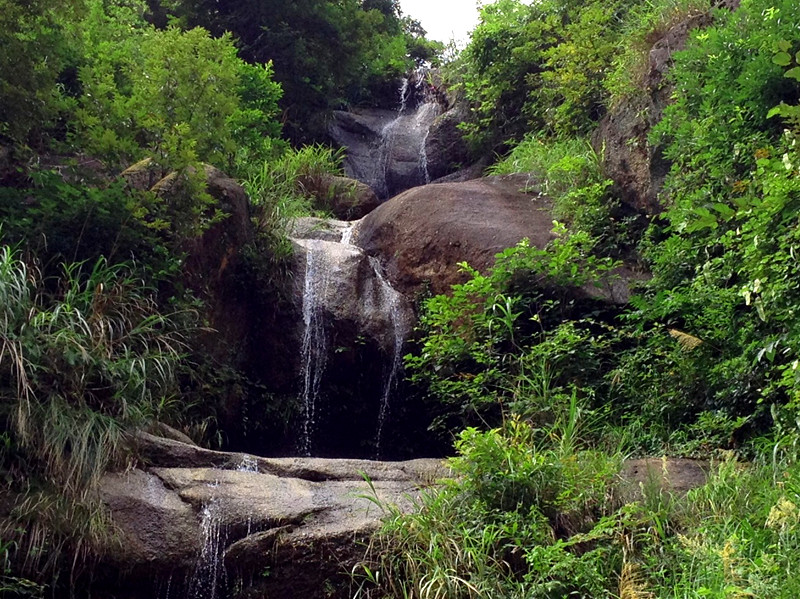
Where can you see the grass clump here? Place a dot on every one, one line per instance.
(84, 360)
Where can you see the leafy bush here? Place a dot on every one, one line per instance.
(518, 520)
(722, 256)
(180, 96)
(533, 67)
(472, 354)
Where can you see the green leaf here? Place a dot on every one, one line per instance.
(783, 45)
(782, 59)
(793, 73)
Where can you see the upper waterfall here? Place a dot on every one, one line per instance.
(386, 148)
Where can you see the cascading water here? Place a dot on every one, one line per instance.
(209, 573)
(342, 284)
(314, 349)
(391, 157)
(401, 325)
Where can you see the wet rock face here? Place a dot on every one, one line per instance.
(384, 148)
(445, 148)
(213, 531)
(352, 329)
(416, 142)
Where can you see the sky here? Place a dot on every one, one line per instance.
(444, 19)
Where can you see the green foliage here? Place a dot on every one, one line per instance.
(723, 255)
(539, 66)
(473, 353)
(518, 520)
(35, 49)
(278, 190)
(644, 25)
(325, 54)
(59, 221)
(179, 96)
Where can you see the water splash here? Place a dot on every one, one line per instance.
(247, 464)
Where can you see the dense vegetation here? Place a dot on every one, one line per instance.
(103, 330)
(702, 363)
(545, 390)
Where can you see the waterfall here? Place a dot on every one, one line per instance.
(314, 348)
(209, 573)
(344, 285)
(401, 325)
(398, 159)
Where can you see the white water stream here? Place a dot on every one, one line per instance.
(342, 282)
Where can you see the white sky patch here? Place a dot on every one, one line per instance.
(444, 20)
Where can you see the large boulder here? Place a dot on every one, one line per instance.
(219, 529)
(422, 235)
(637, 167)
(446, 150)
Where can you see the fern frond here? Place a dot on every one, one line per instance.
(686, 341)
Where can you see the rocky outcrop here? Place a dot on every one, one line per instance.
(213, 270)
(445, 148)
(344, 198)
(637, 167)
(203, 527)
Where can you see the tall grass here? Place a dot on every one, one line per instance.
(568, 171)
(526, 520)
(83, 359)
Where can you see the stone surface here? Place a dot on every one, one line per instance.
(288, 516)
(422, 234)
(445, 148)
(311, 227)
(673, 475)
(142, 175)
(278, 527)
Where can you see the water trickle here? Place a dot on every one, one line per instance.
(347, 234)
(247, 464)
(392, 302)
(343, 284)
(403, 95)
(315, 345)
(209, 574)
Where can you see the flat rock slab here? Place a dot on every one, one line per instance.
(673, 475)
(254, 515)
